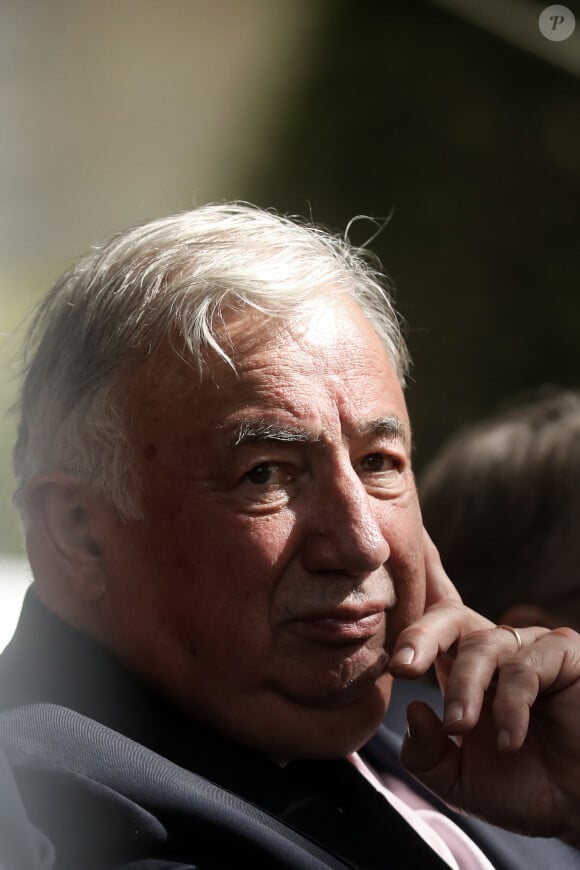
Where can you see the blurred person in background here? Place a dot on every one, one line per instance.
(501, 502)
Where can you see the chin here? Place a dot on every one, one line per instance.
(336, 682)
(336, 731)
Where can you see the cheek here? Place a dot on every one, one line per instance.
(228, 566)
(241, 551)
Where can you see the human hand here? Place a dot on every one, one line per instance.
(433, 638)
(513, 712)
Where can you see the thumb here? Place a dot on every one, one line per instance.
(429, 754)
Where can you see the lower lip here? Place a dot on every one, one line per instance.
(336, 630)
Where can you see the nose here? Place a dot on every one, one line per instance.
(342, 531)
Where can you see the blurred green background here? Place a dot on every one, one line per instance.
(456, 118)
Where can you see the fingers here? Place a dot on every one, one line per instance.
(428, 752)
(480, 658)
(515, 634)
(438, 586)
(485, 660)
(473, 656)
(445, 620)
(514, 715)
(548, 665)
(432, 635)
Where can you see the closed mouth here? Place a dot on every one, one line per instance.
(341, 625)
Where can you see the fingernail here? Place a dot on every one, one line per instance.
(404, 656)
(503, 740)
(453, 713)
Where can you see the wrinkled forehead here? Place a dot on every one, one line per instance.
(329, 347)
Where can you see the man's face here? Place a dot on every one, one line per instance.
(280, 551)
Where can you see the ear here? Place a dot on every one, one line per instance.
(65, 532)
(525, 614)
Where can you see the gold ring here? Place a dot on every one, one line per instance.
(515, 633)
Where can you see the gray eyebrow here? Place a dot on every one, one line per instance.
(262, 432)
(391, 428)
(259, 431)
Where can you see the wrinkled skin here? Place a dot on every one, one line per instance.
(280, 552)
(516, 762)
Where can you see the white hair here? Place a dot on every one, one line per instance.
(169, 279)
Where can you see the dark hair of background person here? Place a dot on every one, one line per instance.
(501, 501)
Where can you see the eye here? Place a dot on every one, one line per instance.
(267, 474)
(380, 462)
(383, 473)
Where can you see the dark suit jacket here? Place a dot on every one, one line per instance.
(117, 778)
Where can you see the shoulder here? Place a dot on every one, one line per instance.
(99, 796)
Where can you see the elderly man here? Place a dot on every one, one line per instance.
(221, 518)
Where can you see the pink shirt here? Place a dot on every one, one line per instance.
(444, 836)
